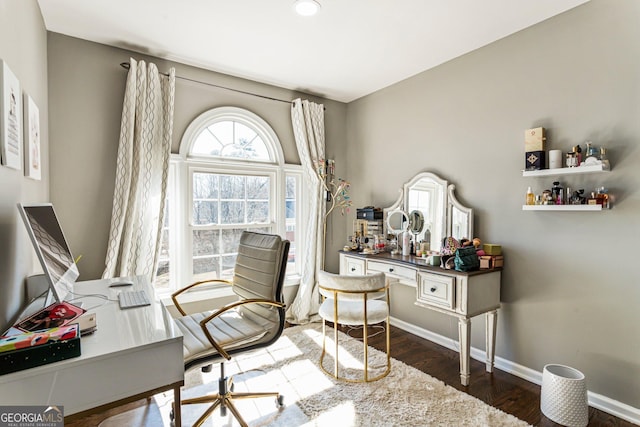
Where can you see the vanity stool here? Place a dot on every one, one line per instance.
(354, 301)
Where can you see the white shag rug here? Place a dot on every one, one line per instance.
(406, 397)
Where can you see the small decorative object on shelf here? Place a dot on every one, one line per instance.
(535, 156)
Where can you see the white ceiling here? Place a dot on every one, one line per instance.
(350, 49)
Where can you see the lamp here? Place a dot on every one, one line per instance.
(306, 7)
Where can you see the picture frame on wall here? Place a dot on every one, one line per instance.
(32, 161)
(10, 118)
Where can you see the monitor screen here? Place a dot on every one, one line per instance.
(51, 247)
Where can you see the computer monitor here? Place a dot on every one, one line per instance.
(52, 249)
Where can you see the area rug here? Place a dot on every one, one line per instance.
(406, 397)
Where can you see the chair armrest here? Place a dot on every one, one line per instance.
(203, 322)
(174, 296)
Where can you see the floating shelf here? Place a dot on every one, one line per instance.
(566, 171)
(562, 207)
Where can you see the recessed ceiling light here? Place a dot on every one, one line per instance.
(306, 7)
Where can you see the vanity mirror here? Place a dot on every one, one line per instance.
(397, 223)
(434, 211)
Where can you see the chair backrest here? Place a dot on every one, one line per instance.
(355, 284)
(259, 273)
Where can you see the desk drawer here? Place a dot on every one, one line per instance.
(354, 266)
(435, 289)
(393, 270)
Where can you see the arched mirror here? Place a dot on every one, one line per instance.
(442, 214)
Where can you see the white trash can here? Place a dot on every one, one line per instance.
(563, 398)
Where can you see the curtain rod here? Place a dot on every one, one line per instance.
(126, 65)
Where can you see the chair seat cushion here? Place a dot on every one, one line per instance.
(229, 330)
(352, 312)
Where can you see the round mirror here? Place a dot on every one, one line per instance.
(416, 222)
(397, 222)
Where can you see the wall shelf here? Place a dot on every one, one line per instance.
(566, 171)
(562, 207)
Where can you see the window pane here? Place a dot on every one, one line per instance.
(206, 242)
(206, 144)
(205, 213)
(231, 240)
(205, 268)
(205, 186)
(258, 187)
(232, 212)
(161, 280)
(223, 132)
(290, 215)
(231, 139)
(257, 212)
(228, 264)
(232, 187)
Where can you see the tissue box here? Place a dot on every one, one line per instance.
(534, 139)
(491, 249)
(535, 160)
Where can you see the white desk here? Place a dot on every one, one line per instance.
(131, 355)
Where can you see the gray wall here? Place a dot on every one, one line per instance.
(570, 288)
(23, 46)
(86, 92)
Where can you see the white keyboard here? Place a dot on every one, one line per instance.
(130, 299)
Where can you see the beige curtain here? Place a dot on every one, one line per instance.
(308, 130)
(141, 172)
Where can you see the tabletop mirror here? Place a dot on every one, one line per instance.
(431, 210)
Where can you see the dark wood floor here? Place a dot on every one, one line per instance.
(504, 391)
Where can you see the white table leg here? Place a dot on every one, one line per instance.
(464, 334)
(491, 324)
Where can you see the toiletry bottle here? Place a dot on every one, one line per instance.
(530, 197)
(604, 159)
(557, 193)
(406, 243)
(578, 152)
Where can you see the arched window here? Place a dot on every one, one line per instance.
(229, 177)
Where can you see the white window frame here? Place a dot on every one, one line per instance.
(182, 167)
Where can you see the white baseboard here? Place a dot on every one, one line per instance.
(598, 401)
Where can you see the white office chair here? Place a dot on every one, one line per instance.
(354, 301)
(255, 321)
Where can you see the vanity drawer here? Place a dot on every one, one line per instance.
(436, 289)
(354, 266)
(394, 270)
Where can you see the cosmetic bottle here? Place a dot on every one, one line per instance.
(557, 193)
(406, 243)
(578, 152)
(591, 150)
(530, 197)
(604, 159)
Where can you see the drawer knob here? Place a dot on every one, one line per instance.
(433, 289)
(353, 269)
(391, 270)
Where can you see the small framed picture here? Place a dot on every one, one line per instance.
(10, 118)
(32, 164)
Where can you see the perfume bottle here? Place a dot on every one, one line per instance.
(530, 200)
(591, 150)
(557, 193)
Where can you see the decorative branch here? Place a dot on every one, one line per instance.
(337, 195)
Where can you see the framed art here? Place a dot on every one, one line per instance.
(10, 118)
(32, 164)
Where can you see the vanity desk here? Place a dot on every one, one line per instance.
(428, 208)
(459, 294)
